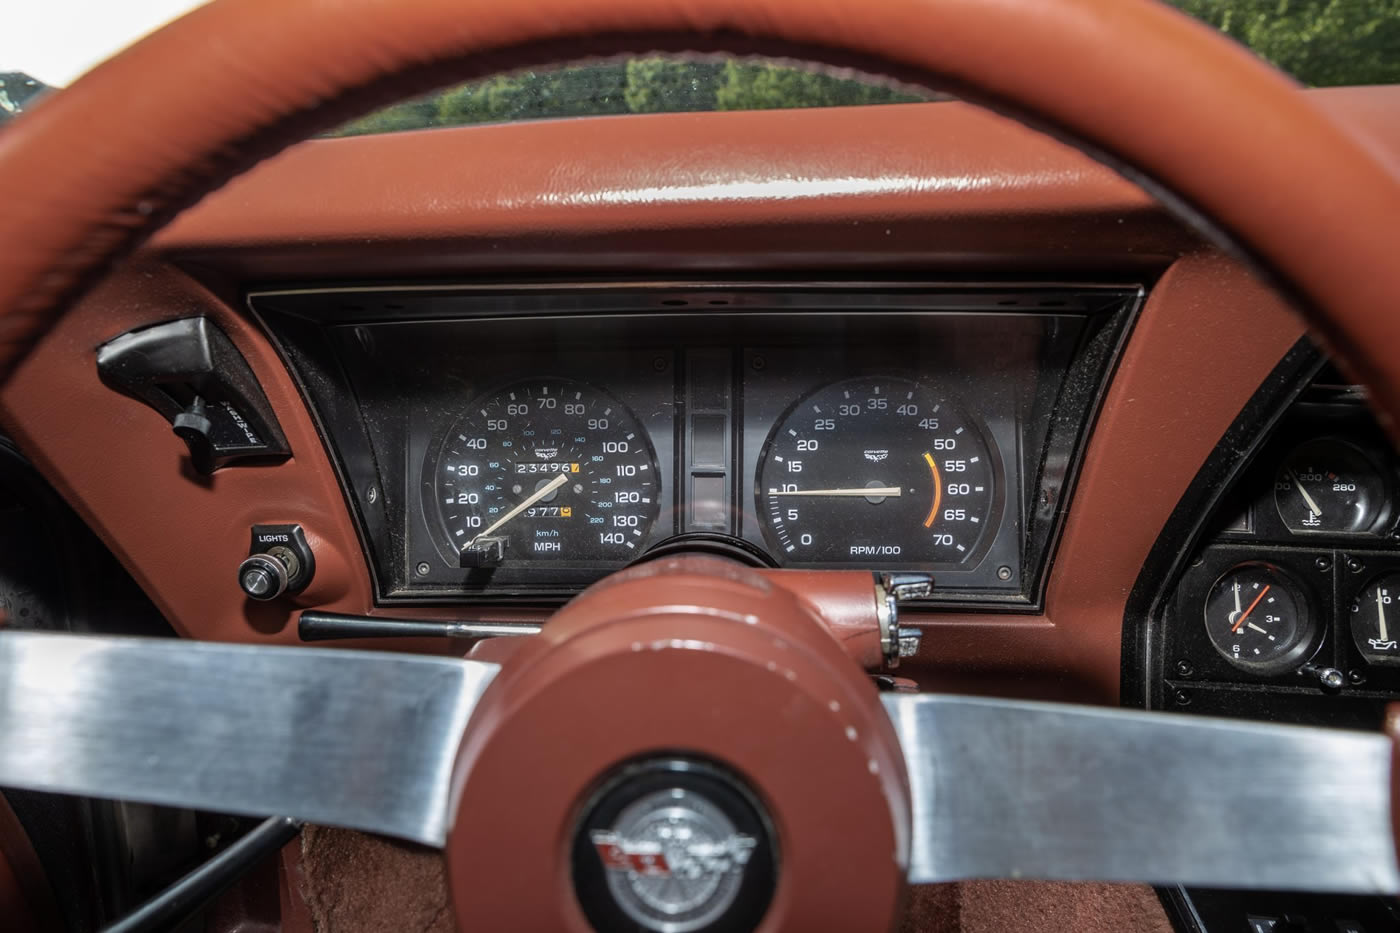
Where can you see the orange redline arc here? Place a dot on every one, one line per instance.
(937, 490)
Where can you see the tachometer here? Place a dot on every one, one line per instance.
(875, 470)
(549, 470)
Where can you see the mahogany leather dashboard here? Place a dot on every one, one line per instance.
(763, 194)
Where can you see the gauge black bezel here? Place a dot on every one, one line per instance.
(1310, 633)
(1351, 604)
(510, 572)
(1383, 514)
(996, 461)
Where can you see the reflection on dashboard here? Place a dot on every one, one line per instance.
(520, 445)
(878, 470)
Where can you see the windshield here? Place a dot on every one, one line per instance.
(1320, 42)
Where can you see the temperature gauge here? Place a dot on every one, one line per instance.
(1375, 620)
(1257, 618)
(1329, 487)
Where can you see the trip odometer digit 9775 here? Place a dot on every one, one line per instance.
(875, 470)
(546, 470)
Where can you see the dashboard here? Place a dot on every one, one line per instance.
(510, 443)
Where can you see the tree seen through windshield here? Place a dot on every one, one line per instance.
(1319, 42)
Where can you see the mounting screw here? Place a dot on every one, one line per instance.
(1003, 572)
(1355, 564)
(1185, 668)
(372, 495)
(1356, 677)
(659, 364)
(423, 568)
(758, 363)
(1331, 679)
(1323, 563)
(1181, 697)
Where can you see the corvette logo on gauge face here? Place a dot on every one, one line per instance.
(674, 860)
(875, 456)
(546, 453)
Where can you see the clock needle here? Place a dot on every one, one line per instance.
(1240, 620)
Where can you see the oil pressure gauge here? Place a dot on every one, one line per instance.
(1257, 618)
(1375, 620)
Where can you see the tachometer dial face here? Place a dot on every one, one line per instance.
(875, 470)
(1328, 486)
(1375, 620)
(1257, 618)
(555, 469)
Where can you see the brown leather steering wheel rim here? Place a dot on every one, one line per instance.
(1211, 129)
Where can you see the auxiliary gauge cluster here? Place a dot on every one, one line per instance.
(1294, 598)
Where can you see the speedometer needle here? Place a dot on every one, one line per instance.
(862, 491)
(539, 494)
(1317, 513)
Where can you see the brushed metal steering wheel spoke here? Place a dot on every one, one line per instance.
(1009, 789)
(1000, 788)
(359, 739)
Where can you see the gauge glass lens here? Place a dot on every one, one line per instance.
(875, 470)
(1257, 618)
(558, 470)
(1375, 620)
(1329, 487)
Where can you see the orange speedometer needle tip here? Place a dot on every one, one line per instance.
(1245, 615)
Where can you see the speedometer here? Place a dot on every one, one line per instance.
(875, 470)
(546, 470)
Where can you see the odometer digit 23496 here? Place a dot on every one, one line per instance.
(875, 470)
(547, 470)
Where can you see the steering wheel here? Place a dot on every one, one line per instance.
(686, 746)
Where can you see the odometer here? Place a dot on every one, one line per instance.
(875, 470)
(547, 470)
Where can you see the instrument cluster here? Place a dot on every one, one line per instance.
(521, 445)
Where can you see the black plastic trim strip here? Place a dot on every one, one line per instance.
(330, 626)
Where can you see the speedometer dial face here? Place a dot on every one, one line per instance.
(552, 470)
(875, 470)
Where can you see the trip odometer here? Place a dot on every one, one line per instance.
(875, 470)
(546, 470)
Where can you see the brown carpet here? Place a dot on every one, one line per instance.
(355, 883)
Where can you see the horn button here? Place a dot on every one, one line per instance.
(684, 748)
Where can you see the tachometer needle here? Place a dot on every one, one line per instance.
(539, 494)
(1240, 620)
(1312, 503)
(862, 491)
(1380, 614)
